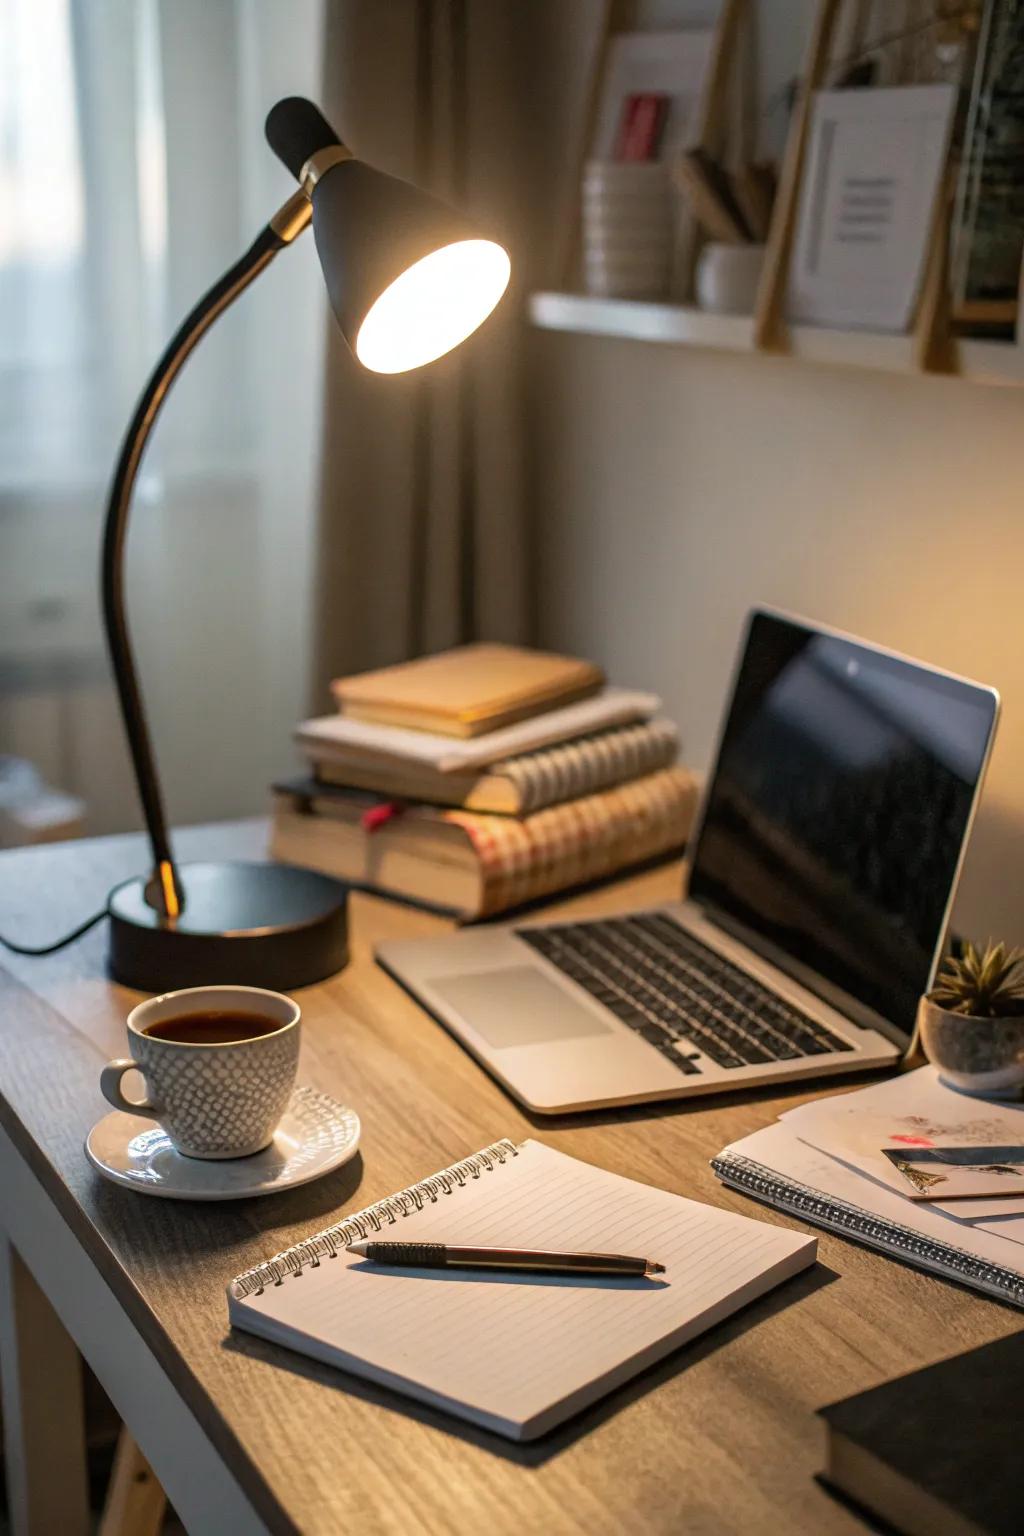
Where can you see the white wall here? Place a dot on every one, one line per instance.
(676, 488)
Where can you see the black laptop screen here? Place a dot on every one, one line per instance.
(838, 806)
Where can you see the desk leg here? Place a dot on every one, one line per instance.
(136, 1504)
(44, 1423)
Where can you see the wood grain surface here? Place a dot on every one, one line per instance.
(719, 1438)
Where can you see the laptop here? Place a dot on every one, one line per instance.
(821, 874)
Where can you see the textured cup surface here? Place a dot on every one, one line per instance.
(222, 1099)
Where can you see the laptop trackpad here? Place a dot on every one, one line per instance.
(517, 1006)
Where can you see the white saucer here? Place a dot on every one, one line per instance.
(316, 1135)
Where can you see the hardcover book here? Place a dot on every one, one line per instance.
(516, 786)
(475, 864)
(468, 690)
(936, 1453)
(344, 738)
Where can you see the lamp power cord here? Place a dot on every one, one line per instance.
(51, 949)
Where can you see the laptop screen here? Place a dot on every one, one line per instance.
(837, 811)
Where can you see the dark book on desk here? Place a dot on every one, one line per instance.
(937, 1453)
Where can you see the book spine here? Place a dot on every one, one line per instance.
(579, 841)
(576, 768)
(875, 1231)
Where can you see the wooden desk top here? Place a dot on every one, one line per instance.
(719, 1438)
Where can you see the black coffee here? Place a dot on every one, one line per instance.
(213, 1027)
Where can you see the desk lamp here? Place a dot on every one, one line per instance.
(408, 279)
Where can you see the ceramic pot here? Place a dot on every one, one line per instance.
(980, 1056)
(728, 277)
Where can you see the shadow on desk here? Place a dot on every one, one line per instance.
(214, 1229)
(537, 1452)
(659, 1109)
(870, 1522)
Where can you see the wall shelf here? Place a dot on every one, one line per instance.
(983, 362)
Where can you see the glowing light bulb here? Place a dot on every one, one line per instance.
(432, 306)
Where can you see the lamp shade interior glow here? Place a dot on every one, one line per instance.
(432, 306)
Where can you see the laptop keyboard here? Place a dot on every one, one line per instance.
(679, 995)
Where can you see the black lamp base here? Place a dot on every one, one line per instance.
(256, 925)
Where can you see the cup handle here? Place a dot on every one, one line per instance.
(110, 1087)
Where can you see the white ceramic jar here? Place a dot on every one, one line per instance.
(728, 276)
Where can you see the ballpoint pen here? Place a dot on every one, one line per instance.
(545, 1261)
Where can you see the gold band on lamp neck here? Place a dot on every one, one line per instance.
(292, 217)
(318, 164)
(170, 891)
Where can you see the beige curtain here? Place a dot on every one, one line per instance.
(425, 536)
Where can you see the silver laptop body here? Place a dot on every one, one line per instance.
(814, 975)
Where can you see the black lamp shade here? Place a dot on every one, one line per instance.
(370, 230)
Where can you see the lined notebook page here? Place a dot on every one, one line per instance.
(519, 1353)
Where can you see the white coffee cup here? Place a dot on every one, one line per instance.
(214, 1098)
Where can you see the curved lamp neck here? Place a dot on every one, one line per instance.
(164, 890)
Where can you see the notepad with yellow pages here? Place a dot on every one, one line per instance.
(515, 1354)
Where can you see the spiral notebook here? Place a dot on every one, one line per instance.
(515, 1354)
(775, 1166)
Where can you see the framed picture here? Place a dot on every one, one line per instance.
(988, 226)
(667, 67)
(874, 169)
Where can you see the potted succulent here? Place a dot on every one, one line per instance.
(971, 1024)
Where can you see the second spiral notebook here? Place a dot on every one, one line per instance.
(515, 1355)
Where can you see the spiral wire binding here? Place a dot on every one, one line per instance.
(848, 1221)
(334, 1240)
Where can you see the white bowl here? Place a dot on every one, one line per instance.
(728, 277)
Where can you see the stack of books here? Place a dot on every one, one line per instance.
(484, 778)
